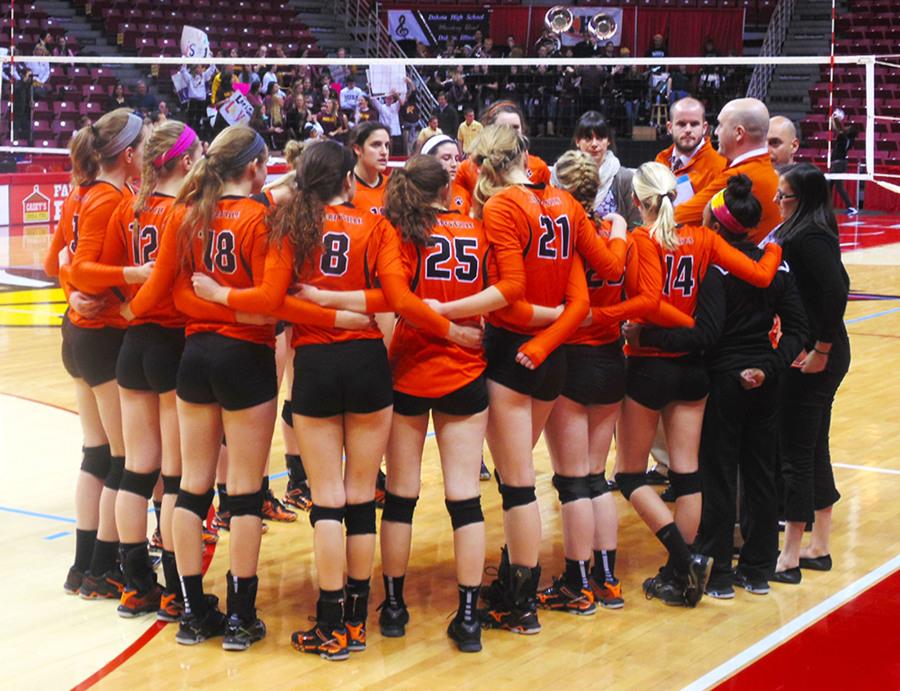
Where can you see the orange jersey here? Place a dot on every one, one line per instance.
(765, 183)
(685, 267)
(705, 165)
(85, 231)
(460, 199)
(371, 198)
(232, 252)
(450, 267)
(535, 168)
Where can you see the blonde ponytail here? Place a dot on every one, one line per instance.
(162, 139)
(654, 186)
(495, 151)
(89, 141)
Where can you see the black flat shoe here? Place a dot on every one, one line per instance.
(789, 576)
(816, 563)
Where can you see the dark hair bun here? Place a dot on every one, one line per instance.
(739, 186)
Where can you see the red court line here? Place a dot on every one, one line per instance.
(853, 647)
(34, 400)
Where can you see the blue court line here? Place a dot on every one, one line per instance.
(35, 514)
(58, 535)
(856, 320)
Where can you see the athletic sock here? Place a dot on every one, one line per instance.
(604, 565)
(330, 608)
(242, 596)
(170, 573)
(84, 548)
(468, 598)
(577, 573)
(104, 557)
(135, 563)
(393, 590)
(679, 554)
(295, 468)
(357, 600)
(265, 484)
(192, 590)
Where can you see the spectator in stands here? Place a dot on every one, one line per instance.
(296, 120)
(659, 75)
(23, 105)
(468, 130)
(679, 85)
(460, 96)
(507, 47)
(627, 90)
(333, 121)
(486, 50)
(47, 42)
(198, 80)
(143, 101)
(430, 131)
(782, 141)
(117, 99)
(743, 126)
(364, 111)
(268, 79)
(340, 73)
(389, 115)
(350, 96)
(448, 120)
(40, 71)
(164, 111)
(846, 135)
(253, 96)
(410, 115)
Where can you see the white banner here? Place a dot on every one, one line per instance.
(579, 31)
(237, 110)
(383, 79)
(180, 83)
(403, 25)
(194, 43)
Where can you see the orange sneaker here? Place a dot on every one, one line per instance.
(170, 607)
(561, 596)
(136, 604)
(274, 510)
(608, 593)
(324, 641)
(356, 636)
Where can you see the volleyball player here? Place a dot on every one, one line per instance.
(371, 142)
(446, 150)
(674, 386)
(105, 157)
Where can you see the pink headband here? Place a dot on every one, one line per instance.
(723, 215)
(182, 144)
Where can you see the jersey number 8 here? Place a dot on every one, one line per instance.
(219, 254)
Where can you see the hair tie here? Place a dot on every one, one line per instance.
(184, 142)
(123, 138)
(723, 215)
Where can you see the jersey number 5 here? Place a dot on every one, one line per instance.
(219, 252)
(682, 277)
(546, 249)
(466, 263)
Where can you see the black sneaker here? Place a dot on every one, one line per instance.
(393, 620)
(719, 588)
(240, 634)
(758, 585)
(492, 594)
(697, 577)
(466, 635)
(193, 629)
(109, 586)
(517, 612)
(74, 579)
(515, 620)
(666, 589)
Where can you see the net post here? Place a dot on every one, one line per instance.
(869, 62)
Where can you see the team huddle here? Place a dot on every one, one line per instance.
(501, 298)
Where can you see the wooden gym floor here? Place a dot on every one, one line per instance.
(54, 641)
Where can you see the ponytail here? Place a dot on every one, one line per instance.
(495, 150)
(411, 194)
(161, 141)
(654, 186)
(100, 144)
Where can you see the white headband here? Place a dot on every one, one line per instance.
(435, 142)
(123, 139)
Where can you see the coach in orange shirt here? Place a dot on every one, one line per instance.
(690, 157)
(743, 126)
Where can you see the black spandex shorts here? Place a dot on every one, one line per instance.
(654, 382)
(595, 375)
(94, 353)
(500, 348)
(68, 357)
(466, 400)
(235, 374)
(148, 360)
(336, 378)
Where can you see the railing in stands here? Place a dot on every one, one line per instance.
(779, 24)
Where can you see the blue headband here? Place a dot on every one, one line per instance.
(252, 152)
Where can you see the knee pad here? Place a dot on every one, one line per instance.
(398, 509)
(141, 484)
(629, 482)
(597, 485)
(286, 413)
(197, 504)
(246, 504)
(171, 483)
(326, 513)
(685, 483)
(95, 461)
(360, 518)
(464, 512)
(116, 469)
(571, 488)
(516, 496)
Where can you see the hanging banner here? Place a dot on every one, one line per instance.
(194, 43)
(432, 28)
(582, 15)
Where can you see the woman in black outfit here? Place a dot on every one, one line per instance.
(846, 135)
(809, 236)
(740, 425)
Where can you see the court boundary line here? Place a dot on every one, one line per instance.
(798, 624)
(885, 471)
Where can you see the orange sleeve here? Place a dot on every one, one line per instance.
(607, 259)
(577, 305)
(643, 284)
(376, 301)
(299, 311)
(500, 230)
(187, 302)
(278, 270)
(691, 211)
(467, 174)
(108, 270)
(733, 260)
(395, 283)
(162, 278)
(670, 317)
(519, 313)
(92, 230)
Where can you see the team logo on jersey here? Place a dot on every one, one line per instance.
(458, 200)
